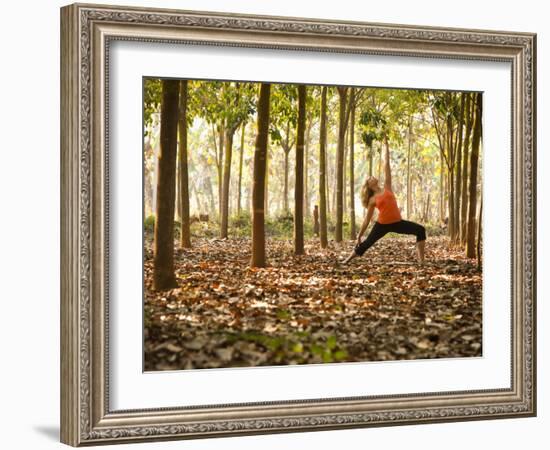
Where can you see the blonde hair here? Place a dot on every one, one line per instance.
(366, 193)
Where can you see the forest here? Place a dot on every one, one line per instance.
(252, 196)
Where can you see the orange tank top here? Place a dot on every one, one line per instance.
(388, 212)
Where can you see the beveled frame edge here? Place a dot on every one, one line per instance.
(85, 31)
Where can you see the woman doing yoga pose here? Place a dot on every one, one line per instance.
(389, 217)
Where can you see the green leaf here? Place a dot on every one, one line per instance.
(331, 342)
(283, 314)
(298, 347)
(327, 356)
(340, 355)
(316, 349)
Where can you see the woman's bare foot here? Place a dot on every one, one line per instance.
(350, 257)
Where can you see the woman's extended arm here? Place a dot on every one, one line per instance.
(366, 222)
(387, 168)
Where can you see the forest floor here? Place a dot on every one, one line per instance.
(312, 309)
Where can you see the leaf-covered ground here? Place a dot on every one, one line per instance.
(311, 309)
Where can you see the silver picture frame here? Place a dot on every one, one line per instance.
(86, 34)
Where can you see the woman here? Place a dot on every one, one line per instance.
(389, 217)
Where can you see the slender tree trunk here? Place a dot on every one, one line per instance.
(344, 174)
(323, 169)
(353, 233)
(343, 94)
(266, 189)
(306, 196)
(210, 195)
(427, 208)
(200, 206)
(219, 165)
(413, 205)
(316, 220)
(332, 175)
(178, 190)
(306, 169)
(258, 189)
(479, 227)
(450, 177)
(458, 178)
(285, 190)
(371, 151)
(441, 186)
(327, 185)
(241, 156)
(471, 231)
(409, 194)
(442, 179)
(470, 108)
(450, 202)
(380, 162)
(183, 180)
(299, 177)
(229, 132)
(163, 246)
(149, 183)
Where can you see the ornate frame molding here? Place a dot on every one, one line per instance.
(86, 31)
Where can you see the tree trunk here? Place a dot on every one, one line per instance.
(299, 177)
(450, 177)
(479, 220)
(470, 107)
(371, 150)
(353, 233)
(200, 207)
(215, 140)
(285, 190)
(154, 180)
(219, 166)
(427, 208)
(241, 156)
(183, 179)
(266, 190)
(345, 175)
(178, 189)
(471, 230)
(306, 169)
(220, 172)
(458, 178)
(409, 194)
(343, 94)
(163, 266)
(210, 195)
(229, 132)
(286, 149)
(450, 201)
(327, 181)
(441, 186)
(306, 187)
(323, 169)
(332, 175)
(413, 205)
(316, 220)
(380, 162)
(259, 175)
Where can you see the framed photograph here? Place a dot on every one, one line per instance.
(275, 224)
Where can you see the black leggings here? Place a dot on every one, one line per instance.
(379, 230)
